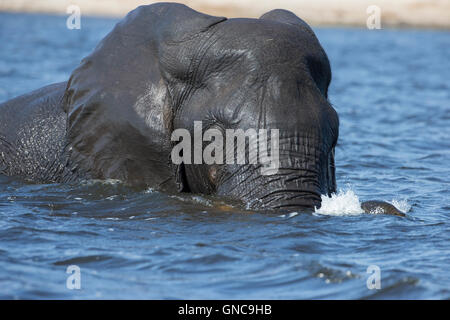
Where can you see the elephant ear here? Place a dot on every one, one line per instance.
(119, 110)
(317, 61)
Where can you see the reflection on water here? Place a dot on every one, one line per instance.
(390, 88)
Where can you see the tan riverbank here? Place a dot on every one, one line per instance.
(398, 13)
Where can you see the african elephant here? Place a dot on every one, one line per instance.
(163, 67)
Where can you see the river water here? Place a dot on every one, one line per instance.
(391, 90)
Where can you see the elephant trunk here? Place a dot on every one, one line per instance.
(293, 189)
(305, 173)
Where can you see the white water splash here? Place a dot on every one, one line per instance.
(401, 205)
(346, 202)
(340, 204)
(289, 215)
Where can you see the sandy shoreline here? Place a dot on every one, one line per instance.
(398, 13)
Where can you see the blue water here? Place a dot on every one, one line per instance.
(391, 90)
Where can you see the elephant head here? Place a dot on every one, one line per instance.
(166, 66)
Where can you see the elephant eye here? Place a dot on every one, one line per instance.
(214, 173)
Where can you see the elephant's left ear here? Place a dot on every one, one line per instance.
(119, 110)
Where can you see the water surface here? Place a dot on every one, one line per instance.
(391, 90)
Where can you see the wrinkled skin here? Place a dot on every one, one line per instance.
(162, 68)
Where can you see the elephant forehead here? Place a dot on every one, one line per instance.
(252, 50)
(264, 40)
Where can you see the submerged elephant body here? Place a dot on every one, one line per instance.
(32, 135)
(164, 67)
